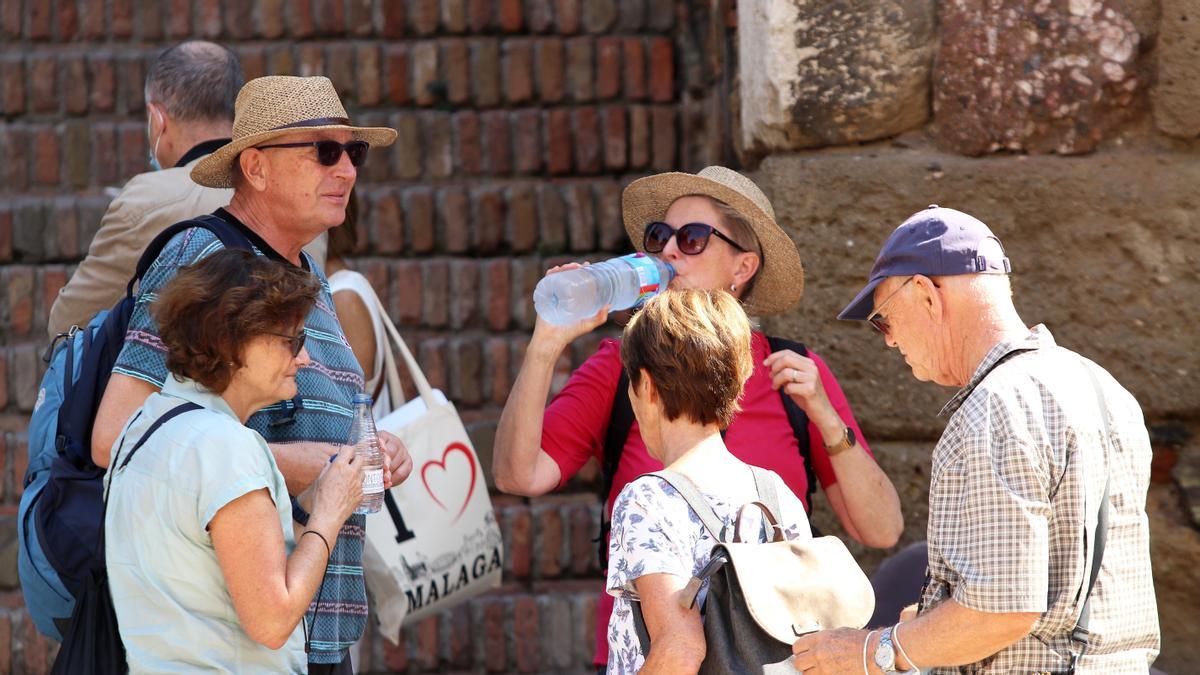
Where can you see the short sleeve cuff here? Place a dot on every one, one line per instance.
(227, 494)
(1005, 598)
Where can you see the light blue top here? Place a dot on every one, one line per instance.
(173, 606)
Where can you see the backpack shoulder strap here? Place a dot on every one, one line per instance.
(765, 486)
(229, 235)
(620, 421)
(798, 419)
(696, 501)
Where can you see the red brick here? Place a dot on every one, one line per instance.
(389, 223)
(427, 643)
(239, 19)
(485, 66)
(497, 145)
(497, 284)
(608, 217)
(104, 145)
(46, 156)
(419, 214)
(423, 18)
(393, 19)
(461, 638)
(281, 59)
(254, 61)
(43, 83)
(588, 148)
(406, 292)
(425, 72)
(661, 16)
(6, 223)
(599, 15)
(208, 18)
(359, 19)
(527, 140)
(12, 70)
(496, 354)
(395, 656)
(77, 152)
(539, 15)
(10, 27)
(616, 147)
(15, 149)
(518, 70)
(330, 17)
(91, 21)
(662, 70)
(438, 142)
(454, 16)
(120, 26)
(311, 59)
(581, 217)
(635, 68)
(64, 226)
(490, 213)
(495, 637)
(522, 218)
(467, 137)
(456, 64)
(340, 68)
(528, 636)
(179, 19)
(366, 64)
(558, 141)
(66, 17)
(406, 151)
(549, 546)
(663, 129)
(149, 15)
(20, 455)
(579, 69)
(550, 69)
(132, 82)
(639, 136)
(583, 550)
(270, 20)
(510, 19)
(527, 272)
(566, 15)
(520, 544)
(396, 57)
(454, 220)
(133, 149)
(608, 67)
(19, 285)
(552, 215)
(103, 82)
(33, 649)
(41, 19)
(300, 20)
(376, 272)
(481, 15)
(53, 279)
(74, 84)
(464, 311)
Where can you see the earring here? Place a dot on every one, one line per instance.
(733, 288)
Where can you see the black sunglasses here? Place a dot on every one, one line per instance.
(296, 342)
(330, 152)
(691, 239)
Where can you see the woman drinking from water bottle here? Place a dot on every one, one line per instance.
(718, 231)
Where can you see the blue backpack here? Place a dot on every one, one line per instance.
(62, 509)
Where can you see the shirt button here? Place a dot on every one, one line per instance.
(934, 206)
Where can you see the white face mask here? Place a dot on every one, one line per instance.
(154, 165)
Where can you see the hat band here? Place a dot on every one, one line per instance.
(318, 122)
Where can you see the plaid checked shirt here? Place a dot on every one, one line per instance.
(1014, 494)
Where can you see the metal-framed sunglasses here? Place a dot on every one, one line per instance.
(329, 153)
(691, 238)
(878, 320)
(295, 342)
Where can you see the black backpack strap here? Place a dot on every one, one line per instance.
(798, 419)
(229, 235)
(620, 421)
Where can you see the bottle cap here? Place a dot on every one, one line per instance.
(362, 398)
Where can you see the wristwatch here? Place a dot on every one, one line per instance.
(849, 439)
(885, 654)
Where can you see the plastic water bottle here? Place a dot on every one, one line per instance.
(366, 444)
(624, 282)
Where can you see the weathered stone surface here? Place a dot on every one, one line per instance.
(1174, 550)
(1105, 250)
(1046, 76)
(1176, 95)
(826, 72)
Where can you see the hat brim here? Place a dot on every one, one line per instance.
(779, 284)
(216, 170)
(863, 305)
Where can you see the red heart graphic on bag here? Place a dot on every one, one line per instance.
(453, 447)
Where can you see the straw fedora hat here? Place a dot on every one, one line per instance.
(780, 279)
(277, 105)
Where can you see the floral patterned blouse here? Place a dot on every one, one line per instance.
(654, 531)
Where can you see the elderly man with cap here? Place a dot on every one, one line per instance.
(292, 162)
(1039, 555)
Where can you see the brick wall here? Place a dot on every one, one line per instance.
(520, 121)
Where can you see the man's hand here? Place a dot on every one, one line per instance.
(397, 463)
(830, 651)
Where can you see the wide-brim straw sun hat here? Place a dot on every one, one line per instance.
(279, 105)
(779, 283)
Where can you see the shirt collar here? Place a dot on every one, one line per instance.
(194, 392)
(200, 150)
(1038, 337)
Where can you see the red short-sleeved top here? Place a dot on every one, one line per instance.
(576, 423)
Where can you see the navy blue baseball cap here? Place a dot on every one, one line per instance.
(935, 242)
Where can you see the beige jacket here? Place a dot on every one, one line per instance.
(148, 204)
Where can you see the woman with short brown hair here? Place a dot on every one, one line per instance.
(205, 568)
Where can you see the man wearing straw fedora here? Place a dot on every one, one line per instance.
(291, 163)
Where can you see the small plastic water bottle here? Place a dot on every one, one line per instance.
(624, 282)
(366, 444)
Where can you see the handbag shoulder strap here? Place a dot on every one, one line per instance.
(696, 501)
(1079, 634)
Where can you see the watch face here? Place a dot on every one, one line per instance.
(885, 656)
(851, 437)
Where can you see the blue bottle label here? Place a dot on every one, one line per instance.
(649, 282)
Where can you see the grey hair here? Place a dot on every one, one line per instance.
(196, 81)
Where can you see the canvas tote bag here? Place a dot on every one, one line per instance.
(436, 542)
